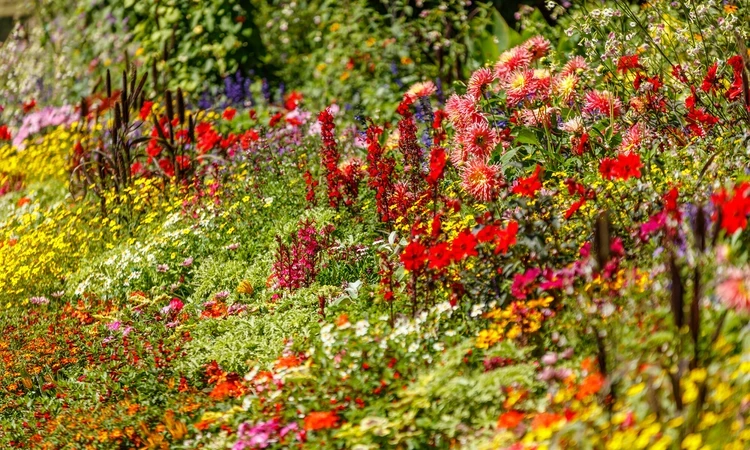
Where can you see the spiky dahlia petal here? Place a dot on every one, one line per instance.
(481, 180)
(512, 60)
(602, 103)
(479, 139)
(538, 46)
(479, 80)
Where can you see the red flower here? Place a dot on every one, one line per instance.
(464, 245)
(530, 185)
(440, 256)
(4, 133)
(321, 420)
(630, 165)
(248, 137)
(437, 164)
(580, 144)
(734, 213)
(679, 73)
(293, 100)
(274, 120)
(574, 207)
(183, 162)
(510, 419)
(626, 165)
(710, 81)
(507, 237)
(487, 234)
(136, 168)
(167, 166)
(145, 110)
(28, 106)
(414, 256)
(628, 62)
(229, 113)
(732, 210)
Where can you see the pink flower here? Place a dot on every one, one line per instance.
(479, 139)
(538, 46)
(734, 290)
(512, 60)
(575, 65)
(481, 180)
(479, 81)
(520, 85)
(462, 111)
(523, 282)
(176, 304)
(602, 103)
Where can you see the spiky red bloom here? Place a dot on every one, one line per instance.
(380, 169)
(330, 157)
(521, 85)
(462, 111)
(481, 180)
(628, 62)
(602, 104)
(479, 139)
(479, 81)
(512, 60)
(538, 46)
(710, 81)
(574, 65)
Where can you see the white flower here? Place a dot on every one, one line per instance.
(361, 328)
(477, 309)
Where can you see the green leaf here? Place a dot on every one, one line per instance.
(495, 39)
(526, 136)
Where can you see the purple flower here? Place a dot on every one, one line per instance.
(39, 300)
(549, 359)
(236, 308)
(188, 262)
(162, 268)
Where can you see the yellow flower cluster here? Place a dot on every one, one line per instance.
(42, 159)
(513, 321)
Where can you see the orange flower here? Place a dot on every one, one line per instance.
(342, 320)
(590, 385)
(510, 419)
(321, 420)
(588, 364)
(204, 424)
(546, 420)
(287, 362)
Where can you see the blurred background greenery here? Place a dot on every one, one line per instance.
(358, 53)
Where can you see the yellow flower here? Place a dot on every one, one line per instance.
(692, 442)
